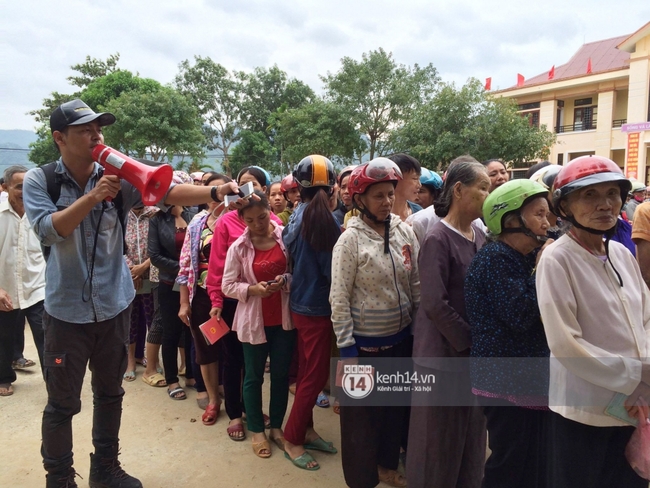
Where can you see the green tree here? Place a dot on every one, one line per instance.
(266, 91)
(43, 149)
(219, 95)
(322, 128)
(92, 69)
(161, 123)
(380, 94)
(101, 91)
(255, 149)
(469, 120)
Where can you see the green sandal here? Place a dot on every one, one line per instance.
(302, 461)
(320, 445)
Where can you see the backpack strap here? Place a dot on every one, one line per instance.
(53, 186)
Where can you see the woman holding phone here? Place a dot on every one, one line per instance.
(227, 230)
(256, 275)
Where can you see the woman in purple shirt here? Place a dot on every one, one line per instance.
(447, 434)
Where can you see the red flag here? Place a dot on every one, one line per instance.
(488, 84)
(551, 73)
(589, 66)
(520, 79)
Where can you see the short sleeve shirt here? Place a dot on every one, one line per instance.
(641, 224)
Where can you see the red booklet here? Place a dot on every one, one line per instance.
(214, 329)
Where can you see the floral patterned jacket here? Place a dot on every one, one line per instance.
(137, 233)
(189, 260)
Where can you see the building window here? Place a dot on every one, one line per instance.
(532, 116)
(560, 159)
(529, 106)
(582, 101)
(585, 118)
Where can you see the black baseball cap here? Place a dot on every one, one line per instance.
(77, 112)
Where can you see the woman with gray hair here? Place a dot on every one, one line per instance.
(447, 429)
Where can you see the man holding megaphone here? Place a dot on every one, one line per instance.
(75, 207)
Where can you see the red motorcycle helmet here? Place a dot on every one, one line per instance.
(376, 171)
(288, 183)
(585, 171)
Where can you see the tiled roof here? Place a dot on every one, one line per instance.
(604, 57)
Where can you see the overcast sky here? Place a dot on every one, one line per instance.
(40, 40)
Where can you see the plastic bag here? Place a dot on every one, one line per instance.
(637, 451)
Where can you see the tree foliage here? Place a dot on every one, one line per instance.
(167, 120)
(162, 123)
(266, 92)
(318, 128)
(101, 91)
(254, 148)
(218, 94)
(379, 94)
(471, 121)
(92, 69)
(371, 107)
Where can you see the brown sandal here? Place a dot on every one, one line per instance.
(258, 447)
(392, 478)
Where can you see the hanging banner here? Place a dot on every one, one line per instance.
(632, 161)
(635, 127)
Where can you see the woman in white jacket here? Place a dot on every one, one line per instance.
(375, 291)
(595, 308)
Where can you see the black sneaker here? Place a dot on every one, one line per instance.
(107, 473)
(64, 479)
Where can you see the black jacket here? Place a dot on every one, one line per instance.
(162, 243)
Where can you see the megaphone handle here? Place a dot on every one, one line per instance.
(109, 170)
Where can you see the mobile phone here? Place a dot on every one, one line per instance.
(272, 282)
(244, 191)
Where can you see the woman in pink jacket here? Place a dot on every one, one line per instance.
(227, 230)
(256, 275)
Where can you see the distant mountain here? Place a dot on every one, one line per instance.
(20, 137)
(14, 148)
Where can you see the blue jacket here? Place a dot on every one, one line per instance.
(312, 271)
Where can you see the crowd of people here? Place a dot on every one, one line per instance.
(527, 300)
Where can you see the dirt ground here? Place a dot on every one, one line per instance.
(163, 442)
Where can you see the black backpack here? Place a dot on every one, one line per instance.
(53, 183)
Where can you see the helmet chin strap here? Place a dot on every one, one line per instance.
(374, 218)
(609, 233)
(524, 230)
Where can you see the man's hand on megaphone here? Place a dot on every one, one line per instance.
(107, 187)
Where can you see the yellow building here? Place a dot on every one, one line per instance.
(597, 103)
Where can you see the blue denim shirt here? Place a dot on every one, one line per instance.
(312, 270)
(70, 257)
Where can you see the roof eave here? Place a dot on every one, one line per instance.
(628, 44)
(550, 83)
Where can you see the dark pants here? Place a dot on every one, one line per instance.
(12, 338)
(173, 331)
(232, 356)
(279, 345)
(34, 316)
(371, 435)
(583, 456)
(518, 444)
(69, 349)
(446, 443)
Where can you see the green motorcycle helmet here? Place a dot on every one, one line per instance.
(509, 197)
